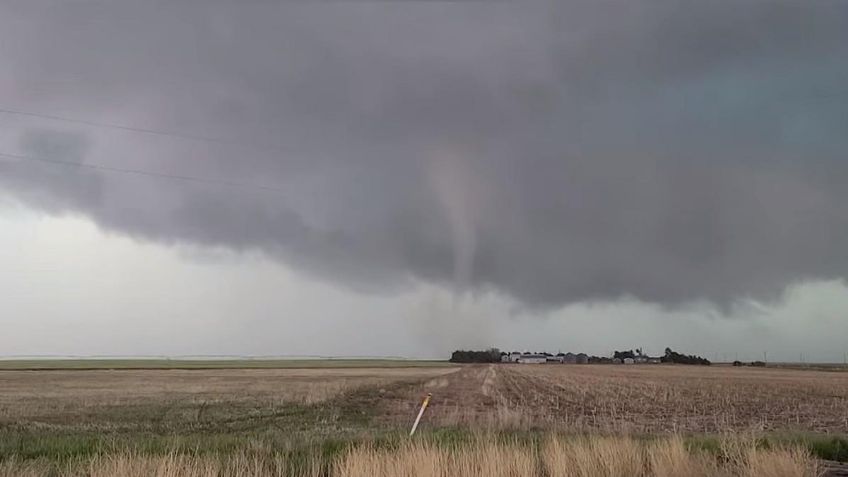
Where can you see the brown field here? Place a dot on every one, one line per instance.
(639, 399)
(509, 420)
(621, 399)
(137, 397)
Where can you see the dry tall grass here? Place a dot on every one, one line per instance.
(583, 457)
(485, 456)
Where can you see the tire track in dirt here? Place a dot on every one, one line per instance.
(458, 398)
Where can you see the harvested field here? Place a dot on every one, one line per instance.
(141, 398)
(637, 399)
(182, 363)
(618, 399)
(354, 421)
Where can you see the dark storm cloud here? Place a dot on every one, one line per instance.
(671, 151)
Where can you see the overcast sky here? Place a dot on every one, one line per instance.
(405, 178)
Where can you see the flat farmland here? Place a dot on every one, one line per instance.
(607, 398)
(173, 398)
(184, 363)
(322, 421)
(639, 399)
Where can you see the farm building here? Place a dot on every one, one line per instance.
(582, 358)
(629, 361)
(569, 358)
(533, 359)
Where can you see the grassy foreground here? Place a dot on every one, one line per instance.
(258, 363)
(431, 455)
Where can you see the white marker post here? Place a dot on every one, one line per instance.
(420, 413)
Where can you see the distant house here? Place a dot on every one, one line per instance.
(514, 357)
(556, 359)
(582, 358)
(616, 361)
(569, 358)
(532, 359)
(629, 361)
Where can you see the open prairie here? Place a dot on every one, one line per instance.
(344, 421)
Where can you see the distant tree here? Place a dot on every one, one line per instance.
(492, 355)
(675, 357)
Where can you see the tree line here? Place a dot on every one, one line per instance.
(675, 357)
(493, 355)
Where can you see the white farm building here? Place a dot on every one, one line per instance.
(533, 359)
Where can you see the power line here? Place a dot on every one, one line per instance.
(137, 129)
(140, 172)
(200, 138)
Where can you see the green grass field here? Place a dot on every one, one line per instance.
(91, 364)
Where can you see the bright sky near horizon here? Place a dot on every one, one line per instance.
(73, 290)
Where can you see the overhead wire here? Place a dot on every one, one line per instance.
(141, 130)
(141, 172)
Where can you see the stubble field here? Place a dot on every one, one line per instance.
(335, 421)
(645, 399)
